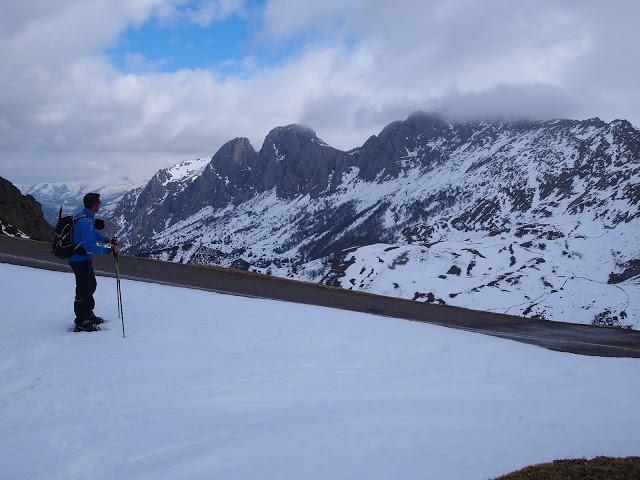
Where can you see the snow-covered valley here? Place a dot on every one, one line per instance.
(218, 386)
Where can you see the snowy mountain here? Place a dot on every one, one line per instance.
(531, 218)
(21, 215)
(145, 200)
(69, 194)
(211, 386)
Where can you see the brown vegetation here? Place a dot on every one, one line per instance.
(598, 468)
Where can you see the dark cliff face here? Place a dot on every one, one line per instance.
(399, 143)
(227, 178)
(295, 161)
(23, 213)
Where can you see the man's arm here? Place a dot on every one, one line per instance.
(101, 237)
(88, 239)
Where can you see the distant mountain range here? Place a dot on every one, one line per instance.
(69, 194)
(532, 218)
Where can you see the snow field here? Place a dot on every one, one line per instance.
(217, 386)
(502, 275)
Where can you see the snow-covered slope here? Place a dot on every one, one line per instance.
(69, 194)
(541, 279)
(540, 218)
(217, 386)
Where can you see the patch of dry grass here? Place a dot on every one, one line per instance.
(598, 468)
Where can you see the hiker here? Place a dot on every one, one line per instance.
(87, 237)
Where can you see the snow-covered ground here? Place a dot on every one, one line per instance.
(505, 274)
(217, 386)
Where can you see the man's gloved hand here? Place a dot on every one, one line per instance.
(115, 246)
(98, 223)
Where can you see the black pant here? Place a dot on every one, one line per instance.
(85, 288)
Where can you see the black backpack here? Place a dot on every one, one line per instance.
(63, 246)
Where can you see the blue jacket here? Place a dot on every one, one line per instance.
(85, 233)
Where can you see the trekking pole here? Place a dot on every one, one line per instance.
(119, 292)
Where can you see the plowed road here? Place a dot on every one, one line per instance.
(560, 336)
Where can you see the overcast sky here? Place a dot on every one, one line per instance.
(124, 87)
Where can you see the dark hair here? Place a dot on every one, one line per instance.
(90, 199)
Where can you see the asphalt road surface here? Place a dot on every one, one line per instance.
(560, 336)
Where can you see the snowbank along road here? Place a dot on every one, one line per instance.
(566, 337)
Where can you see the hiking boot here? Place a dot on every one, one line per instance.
(95, 320)
(86, 326)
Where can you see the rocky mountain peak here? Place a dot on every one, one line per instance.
(294, 160)
(424, 120)
(622, 124)
(290, 137)
(596, 122)
(402, 143)
(237, 153)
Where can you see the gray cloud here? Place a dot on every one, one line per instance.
(67, 112)
(529, 101)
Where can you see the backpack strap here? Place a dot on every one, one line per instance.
(79, 249)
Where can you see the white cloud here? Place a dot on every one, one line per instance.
(65, 110)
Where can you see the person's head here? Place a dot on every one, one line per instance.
(92, 201)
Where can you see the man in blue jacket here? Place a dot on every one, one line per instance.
(88, 237)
